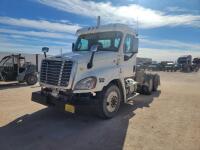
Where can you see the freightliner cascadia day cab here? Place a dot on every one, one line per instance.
(101, 68)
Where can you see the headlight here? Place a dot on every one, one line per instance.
(86, 84)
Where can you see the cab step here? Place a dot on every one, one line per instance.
(132, 96)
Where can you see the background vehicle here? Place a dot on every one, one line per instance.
(167, 66)
(101, 68)
(185, 63)
(15, 68)
(196, 64)
(170, 66)
(154, 67)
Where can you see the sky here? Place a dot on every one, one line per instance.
(167, 28)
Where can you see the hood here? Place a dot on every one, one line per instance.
(84, 57)
(79, 57)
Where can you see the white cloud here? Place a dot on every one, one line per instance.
(18, 47)
(171, 44)
(175, 9)
(37, 34)
(12, 38)
(148, 18)
(40, 24)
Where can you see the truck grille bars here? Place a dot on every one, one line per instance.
(54, 72)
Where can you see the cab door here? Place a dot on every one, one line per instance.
(130, 49)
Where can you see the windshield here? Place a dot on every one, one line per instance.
(182, 60)
(106, 41)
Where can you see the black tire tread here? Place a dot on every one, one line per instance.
(27, 79)
(100, 101)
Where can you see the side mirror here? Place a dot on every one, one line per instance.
(45, 50)
(94, 48)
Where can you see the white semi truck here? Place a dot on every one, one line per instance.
(100, 69)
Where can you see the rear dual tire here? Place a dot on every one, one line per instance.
(147, 88)
(151, 84)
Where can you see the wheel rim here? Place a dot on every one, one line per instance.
(112, 101)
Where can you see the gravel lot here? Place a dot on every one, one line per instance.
(167, 120)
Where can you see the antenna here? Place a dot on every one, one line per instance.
(137, 27)
(98, 21)
(61, 52)
(137, 23)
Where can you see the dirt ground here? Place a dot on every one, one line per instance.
(167, 120)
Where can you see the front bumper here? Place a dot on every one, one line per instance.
(61, 102)
(49, 100)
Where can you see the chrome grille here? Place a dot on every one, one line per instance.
(54, 72)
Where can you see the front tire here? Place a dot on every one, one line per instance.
(31, 79)
(109, 102)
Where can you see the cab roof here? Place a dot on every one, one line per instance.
(106, 28)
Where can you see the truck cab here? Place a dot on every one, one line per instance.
(101, 67)
(196, 64)
(185, 63)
